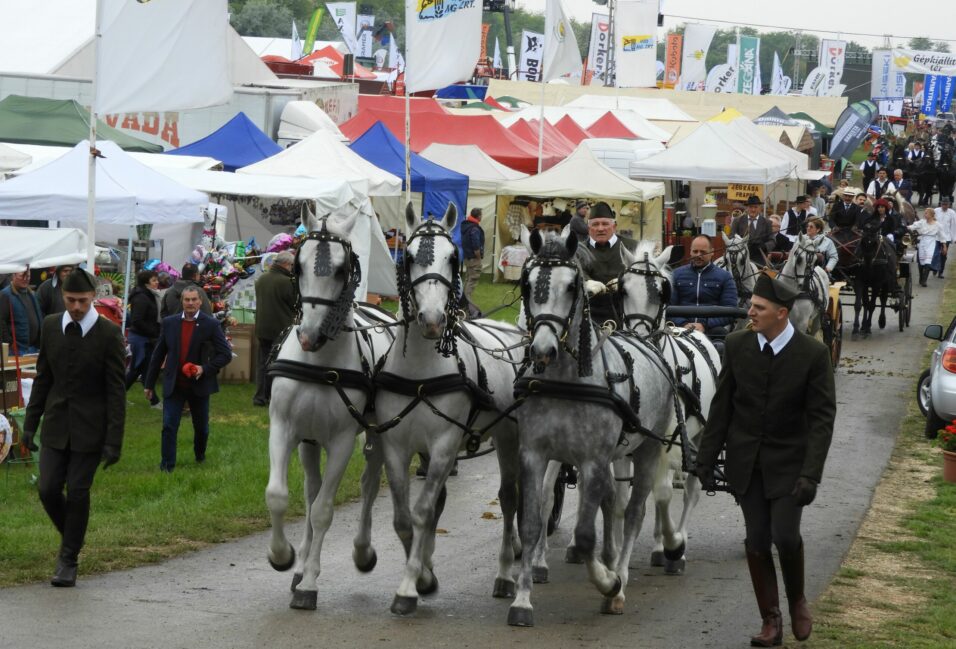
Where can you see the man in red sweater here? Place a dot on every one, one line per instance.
(193, 349)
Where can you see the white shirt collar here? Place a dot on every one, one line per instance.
(778, 343)
(85, 324)
(610, 241)
(182, 315)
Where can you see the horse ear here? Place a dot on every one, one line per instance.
(534, 241)
(309, 221)
(344, 222)
(411, 219)
(571, 244)
(627, 256)
(664, 258)
(451, 217)
(525, 236)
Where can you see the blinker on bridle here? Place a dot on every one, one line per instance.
(650, 274)
(323, 268)
(539, 293)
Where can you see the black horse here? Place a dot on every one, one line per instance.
(925, 174)
(945, 173)
(875, 277)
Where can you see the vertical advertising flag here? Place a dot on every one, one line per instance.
(483, 52)
(887, 81)
(946, 94)
(832, 59)
(365, 36)
(851, 128)
(162, 56)
(343, 15)
(312, 30)
(532, 49)
(296, 53)
(561, 53)
(776, 77)
(599, 47)
(635, 44)
(442, 42)
(722, 78)
(816, 82)
(747, 55)
(496, 62)
(931, 88)
(758, 78)
(697, 40)
(672, 60)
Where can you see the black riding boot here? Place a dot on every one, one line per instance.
(923, 275)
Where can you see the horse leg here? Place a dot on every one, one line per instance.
(310, 456)
(571, 553)
(883, 294)
(506, 447)
(397, 460)
(281, 554)
(622, 491)
(858, 287)
(363, 554)
(339, 452)
(596, 488)
(609, 549)
(539, 559)
(657, 552)
(533, 464)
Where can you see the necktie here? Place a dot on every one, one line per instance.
(73, 329)
(753, 224)
(768, 350)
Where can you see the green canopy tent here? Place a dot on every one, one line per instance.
(825, 131)
(58, 122)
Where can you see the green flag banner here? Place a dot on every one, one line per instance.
(311, 32)
(747, 54)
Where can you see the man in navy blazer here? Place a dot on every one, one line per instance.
(194, 349)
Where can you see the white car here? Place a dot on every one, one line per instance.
(936, 390)
(944, 118)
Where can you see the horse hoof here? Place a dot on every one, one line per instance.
(539, 574)
(427, 587)
(612, 606)
(675, 554)
(518, 616)
(675, 567)
(402, 605)
(882, 321)
(657, 559)
(304, 600)
(615, 589)
(296, 580)
(571, 555)
(504, 589)
(369, 564)
(282, 567)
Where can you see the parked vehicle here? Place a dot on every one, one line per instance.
(936, 390)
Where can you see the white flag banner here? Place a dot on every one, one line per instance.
(393, 56)
(442, 42)
(561, 53)
(924, 62)
(832, 57)
(776, 76)
(758, 80)
(343, 15)
(365, 36)
(887, 81)
(635, 44)
(532, 50)
(722, 78)
(296, 53)
(787, 85)
(815, 84)
(162, 56)
(599, 47)
(697, 40)
(496, 61)
(732, 53)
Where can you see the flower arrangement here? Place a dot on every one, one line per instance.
(947, 438)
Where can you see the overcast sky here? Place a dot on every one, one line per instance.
(933, 19)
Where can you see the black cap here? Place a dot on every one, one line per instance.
(601, 210)
(580, 204)
(778, 289)
(753, 200)
(79, 281)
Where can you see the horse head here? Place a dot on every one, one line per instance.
(554, 301)
(328, 273)
(429, 283)
(799, 264)
(644, 287)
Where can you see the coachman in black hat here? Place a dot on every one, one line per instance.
(79, 392)
(773, 412)
(756, 227)
(602, 260)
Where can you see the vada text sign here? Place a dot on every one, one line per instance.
(743, 191)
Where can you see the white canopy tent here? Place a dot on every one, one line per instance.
(585, 117)
(38, 155)
(11, 159)
(485, 177)
(40, 248)
(618, 154)
(300, 119)
(649, 108)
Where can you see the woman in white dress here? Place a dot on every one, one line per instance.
(932, 243)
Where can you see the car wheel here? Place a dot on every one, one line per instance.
(933, 422)
(922, 392)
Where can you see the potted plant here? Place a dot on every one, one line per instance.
(947, 441)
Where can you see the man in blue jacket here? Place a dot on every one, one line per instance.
(473, 247)
(701, 283)
(194, 349)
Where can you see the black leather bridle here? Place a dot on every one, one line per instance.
(335, 319)
(560, 326)
(644, 268)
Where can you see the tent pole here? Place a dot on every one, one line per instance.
(91, 174)
(408, 147)
(129, 269)
(541, 127)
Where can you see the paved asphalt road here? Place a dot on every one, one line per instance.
(228, 597)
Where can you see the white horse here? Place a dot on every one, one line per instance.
(643, 293)
(581, 407)
(736, 261)
(321, 356)
(437, 390)
(814, 283)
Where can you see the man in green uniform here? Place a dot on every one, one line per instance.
(80, 392)
(275, 310)
(602, 260)
(773, 411)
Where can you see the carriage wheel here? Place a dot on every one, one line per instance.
(836, 336)
(901, 310)
(908, 295)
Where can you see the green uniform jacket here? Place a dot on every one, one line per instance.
(773, 413)
(275, 302)
(79, 389)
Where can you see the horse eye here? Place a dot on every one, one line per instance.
(570, 288)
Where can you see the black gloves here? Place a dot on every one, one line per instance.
(111, 456)
(706, 476)
(804, 491)
(27, 441)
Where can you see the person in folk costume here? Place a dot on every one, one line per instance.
(869, 167)
(845, 213)
(793, 223)
(933, 242)
(773, 412)
(755, 225)
(902, 185)
(50, 292)
(80, 394)
(876, 188)
(602, 260)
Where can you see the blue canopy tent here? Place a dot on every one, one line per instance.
(438, 185)
(237, 143)
(462, 91)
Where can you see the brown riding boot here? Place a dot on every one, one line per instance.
(791, 565)
(764, 579)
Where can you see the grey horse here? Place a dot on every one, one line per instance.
(307, 411)
(580, 407)
(736, 261)
(440, 388)
(800, 268)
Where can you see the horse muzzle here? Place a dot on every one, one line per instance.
(310, 343)
(432, 325)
